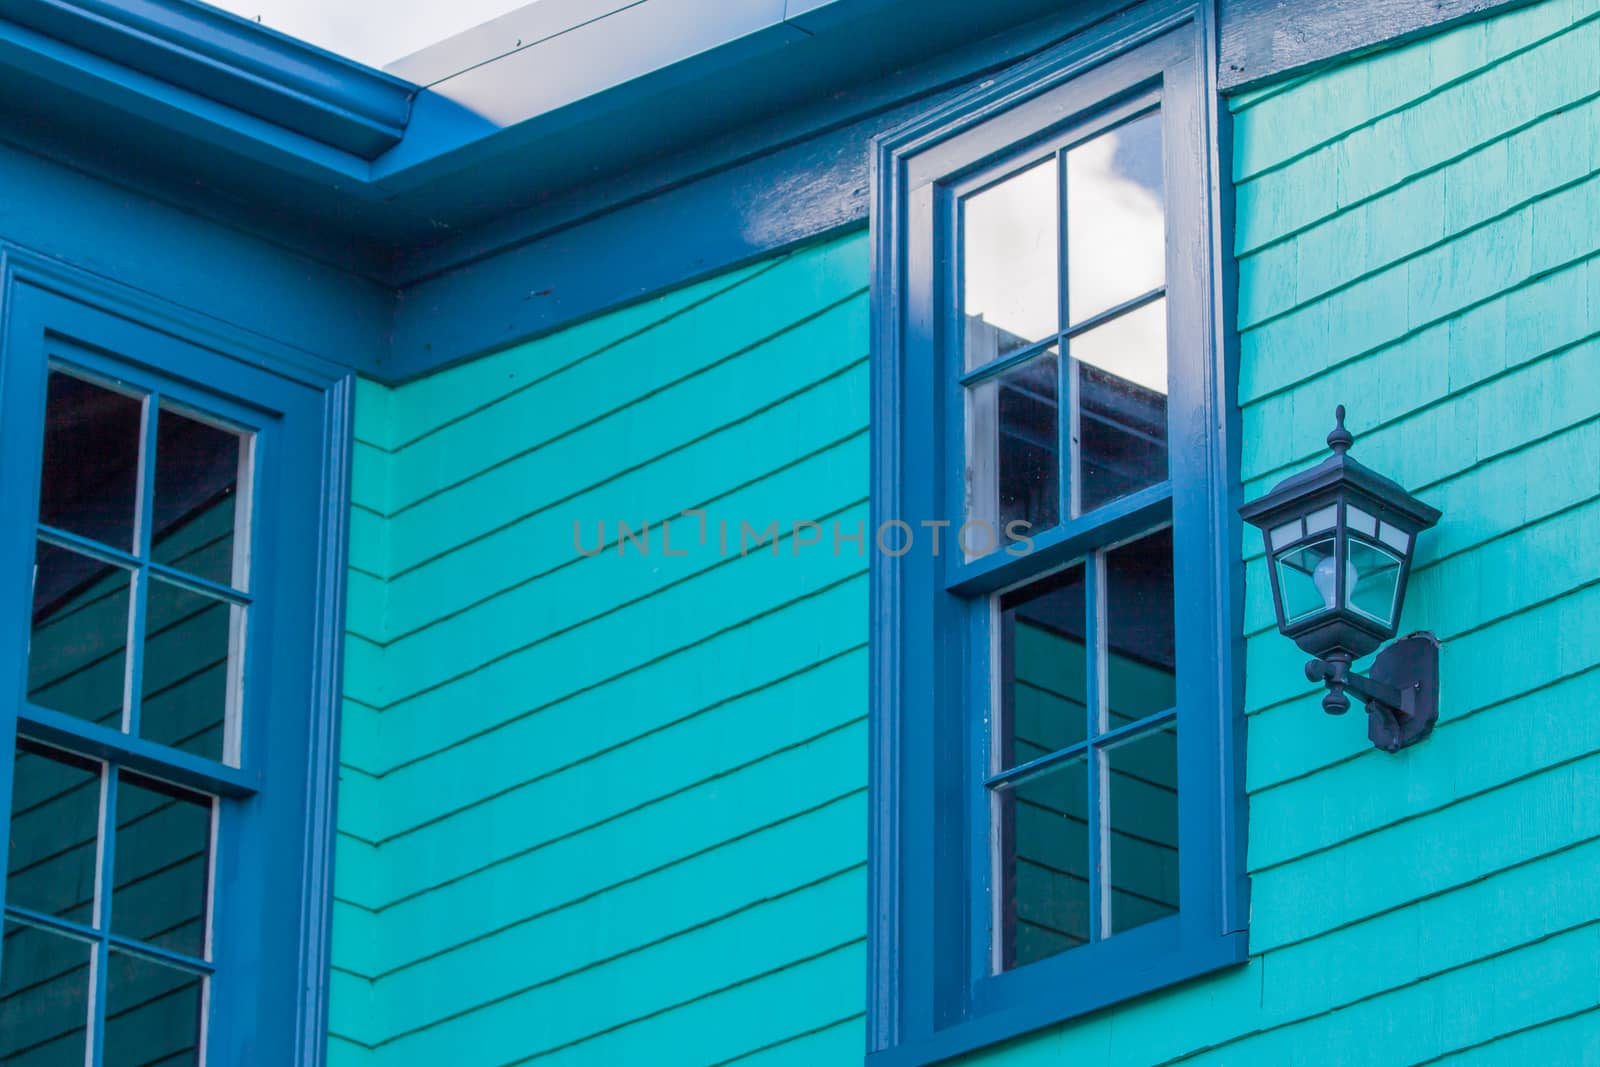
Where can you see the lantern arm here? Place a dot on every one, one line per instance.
(1336, 673)
(1401, 694)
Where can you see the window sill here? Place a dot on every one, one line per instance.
(995, 1027)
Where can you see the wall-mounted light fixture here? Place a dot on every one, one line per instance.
(1339, 541)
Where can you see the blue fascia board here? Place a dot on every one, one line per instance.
(234, 62)
(63, 67)
(56, 214)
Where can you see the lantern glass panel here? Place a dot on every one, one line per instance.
(1321, 519)
(1394, 537)
(1376, 574)
(1288, 533)
(1360, 521)
(1306, 579)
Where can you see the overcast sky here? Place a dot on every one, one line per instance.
(374, 33)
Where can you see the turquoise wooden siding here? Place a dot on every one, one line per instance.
(1419, 237)
(611, 809)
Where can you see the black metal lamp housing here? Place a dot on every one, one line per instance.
(1340, 539)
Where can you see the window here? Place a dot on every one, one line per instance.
(162, 895)
(1055, 778)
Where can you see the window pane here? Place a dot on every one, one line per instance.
(78, 646)
(1307, 579)
(1043, 865)
(1116, 236)
(163, 865)
(44, 998)
(1373, 575)
(1143, 851)
(1010, 292)
(196, 497)
(1043, 669)
(1014, 444)
(1141, 660)
(89, 482)
(187, 676)
(55, 827)
(152, 1013)
(1122, 404)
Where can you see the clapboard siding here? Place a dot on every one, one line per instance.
(611, 808)
(1419, 237)
(594, 800)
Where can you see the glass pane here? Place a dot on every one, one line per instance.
(1116, 236)
(1373, 575)
(1122, 404)
(163, 865)
(1014, 443)
(78, 645)
(1043, 865)
(55, 828)
(185, 691)
(196, 497)
(1141, 656)
(1143, 850)
(1009, 260)
(89, 482)
(1043, 670)
(152, 1013)
(1307, 579)
(44, 998)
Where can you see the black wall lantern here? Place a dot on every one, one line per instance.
(1339, 541)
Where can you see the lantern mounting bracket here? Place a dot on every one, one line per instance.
(1401, 692)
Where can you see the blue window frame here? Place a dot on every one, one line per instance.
(172, 496)
(1052, 383)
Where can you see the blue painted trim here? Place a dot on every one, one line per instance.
(103, 742)
(931, 994)
(87, 547)
(1102, 740)
(221, 57)
(86, 933)
(278, 956)
(53, 217)
(1225, 462)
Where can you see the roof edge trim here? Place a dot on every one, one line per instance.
(233, 61)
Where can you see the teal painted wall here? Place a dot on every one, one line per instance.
(611, 809)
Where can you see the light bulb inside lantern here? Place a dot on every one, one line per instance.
(1324, 577)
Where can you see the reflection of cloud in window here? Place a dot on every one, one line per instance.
(1116, 252)
(1133, 346)
(1010, 250)
(1116, 245)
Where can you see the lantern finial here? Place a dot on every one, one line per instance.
(1339, 438)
